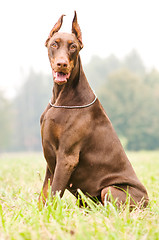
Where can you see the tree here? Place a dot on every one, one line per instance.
(29, 104)
(98, 69)
(131, 106)
(5, 123)
(134, 63)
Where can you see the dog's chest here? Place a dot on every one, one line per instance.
(65, 127)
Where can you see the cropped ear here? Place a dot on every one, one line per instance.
(76, 30)
(55, 29)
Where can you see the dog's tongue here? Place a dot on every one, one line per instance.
(60, 78)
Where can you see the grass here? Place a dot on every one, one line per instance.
(21, 178)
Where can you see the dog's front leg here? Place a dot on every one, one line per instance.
(44, 193)
(65, 166)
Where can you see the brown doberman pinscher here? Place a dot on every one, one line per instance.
(80, 146)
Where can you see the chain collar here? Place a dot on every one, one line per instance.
(74, 107)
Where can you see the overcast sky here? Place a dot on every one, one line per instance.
(108, 26)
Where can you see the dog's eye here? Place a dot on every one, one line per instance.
(54, 45)
(73, 47)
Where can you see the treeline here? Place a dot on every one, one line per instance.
(128, 92)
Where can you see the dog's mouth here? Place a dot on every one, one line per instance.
(60, 77)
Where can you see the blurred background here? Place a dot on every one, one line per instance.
(120, 58)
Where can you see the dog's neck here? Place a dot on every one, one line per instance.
(76, 91)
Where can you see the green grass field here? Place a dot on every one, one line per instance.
(21, 178)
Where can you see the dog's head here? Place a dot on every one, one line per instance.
(63, 49)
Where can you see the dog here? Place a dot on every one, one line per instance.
(80, 146)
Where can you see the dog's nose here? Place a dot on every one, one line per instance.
(62, 63)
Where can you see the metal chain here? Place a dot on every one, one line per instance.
(73, 107)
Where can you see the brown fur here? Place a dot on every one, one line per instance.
(80, 146)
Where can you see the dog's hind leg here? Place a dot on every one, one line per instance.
(124, 194)
(112, 194)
